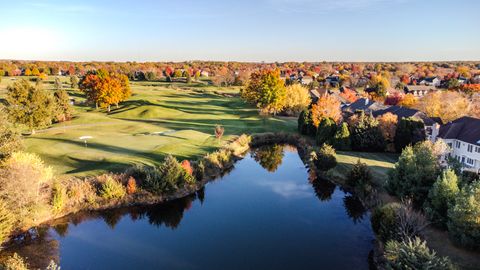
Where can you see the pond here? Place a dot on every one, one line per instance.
(264, 214)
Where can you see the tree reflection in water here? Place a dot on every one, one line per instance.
(354, 208)
(39, 245)
(323, 188)
(269, 156)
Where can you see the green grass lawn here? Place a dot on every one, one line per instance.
(159, 119)
(379, 164)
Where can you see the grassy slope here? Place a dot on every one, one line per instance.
(126, 135)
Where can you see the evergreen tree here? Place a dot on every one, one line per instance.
(28, 105)
(366, 134)
(305, 123)
(341, 140)
(415, 173)
(326, 131)
(409, 132)
(6, 222)
(441, 196)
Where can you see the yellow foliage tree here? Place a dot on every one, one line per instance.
(297, 99)
(448, 105)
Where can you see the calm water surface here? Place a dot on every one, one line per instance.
(265, 214)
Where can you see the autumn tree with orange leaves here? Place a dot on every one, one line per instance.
(327, 107)
(105, 89)
(387, 123)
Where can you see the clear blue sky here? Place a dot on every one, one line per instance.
(247, 30)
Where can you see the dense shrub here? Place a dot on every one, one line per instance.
(59, 197)
(187, 167)
(131, 185)
(395, 221)
(464, 217)
(409, 132)
(326, 131)
(325, 159)
(15, 262)
(199, 170)
(341, 140)
(305, 123)
(6, 222)
(384, 221)
(414, 173)
(168, 177)
(441, 197)
(111, 189)
(366, 135)
(412, 254)
(360, 178)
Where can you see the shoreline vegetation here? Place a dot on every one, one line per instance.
(216, 164)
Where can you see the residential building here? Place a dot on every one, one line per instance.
(430, 81)
(463, 138)
(419, 90)
(431, 124)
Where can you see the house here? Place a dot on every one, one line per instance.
(334, 81)
(363, 104)
(463, 138)
(204, 73)
(419, 90)
(306, 80)
(431, 124)
(430, 81)
(462, 80)
(315, 94)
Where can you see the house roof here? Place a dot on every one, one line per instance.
(403, 112)
(465, 129)
(364, 104)
(419, 88)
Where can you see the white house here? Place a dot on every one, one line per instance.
(430, 81)
(463, 138)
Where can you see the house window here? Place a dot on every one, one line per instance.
(477, 149)
(457, 144)
(470, 148)
(449, 145)
(470, 162)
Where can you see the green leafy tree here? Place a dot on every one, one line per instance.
(266, 90)
(409, 132)
(441, 197)
(29, 105)
(326, 131)
(74, 81)
(366, 135)
(341, 140)
(150, 76)
(10, 138)
(464, 221)
(415, 172)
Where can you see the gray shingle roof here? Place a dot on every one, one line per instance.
(465, 129)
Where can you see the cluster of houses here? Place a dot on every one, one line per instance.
(461, 135)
